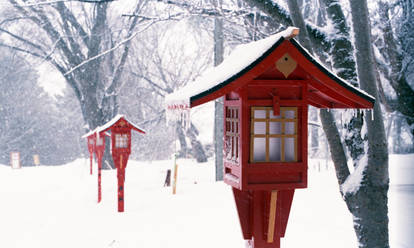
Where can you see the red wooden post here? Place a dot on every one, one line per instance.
(99, 151)
(90, 159)
(99, 179)
(121, 181)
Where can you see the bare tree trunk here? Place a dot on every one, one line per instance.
(314, 131)
(398, 77)
(369, 203)
(343, 62)
(181, 139)
(197, 148)
(218, 104)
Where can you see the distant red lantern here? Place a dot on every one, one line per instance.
(96, 144)
(267, 86)
(120, 129)
(99, 152)
(91, 148)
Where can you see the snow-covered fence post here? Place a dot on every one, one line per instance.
(174, 188)
(15, 160)
(36, 159)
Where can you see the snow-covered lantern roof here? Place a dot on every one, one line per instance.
(246, 62)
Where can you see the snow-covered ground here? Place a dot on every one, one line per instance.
(44, 207)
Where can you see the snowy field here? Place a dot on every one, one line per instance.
(55, 207)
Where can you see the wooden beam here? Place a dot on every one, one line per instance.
(272, 217)
(278, 82)
(333, 94)
(318, 100)
(269, 102)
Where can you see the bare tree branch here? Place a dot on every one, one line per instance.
(119, 68)
(155, 86)
(67, 15)
(44, 23)
(22, 39)
(101, 54)
(61, 1)
(22, 50)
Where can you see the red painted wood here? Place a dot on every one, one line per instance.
(285, 198)
(276, 105)
(121, 182)
(91, 149)
(121, 161)
(99, 152)
(253, 210)
(245, 136)
(283, 103)
(277, 82)
(260, 221)
(332, 95)
(90, 159)
(303, 155)
(318, 101)
(315, 72)
(243, 200)
(99, 180)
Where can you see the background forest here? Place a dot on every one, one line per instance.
(125, 56)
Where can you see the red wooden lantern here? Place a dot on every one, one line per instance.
(96, 144)
(99, 152)
(267, 86)
(90, 139)
(120, 129)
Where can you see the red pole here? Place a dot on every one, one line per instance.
(99, 179)
(121, 176)
(91, 158)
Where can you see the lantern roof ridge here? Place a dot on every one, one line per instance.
(114, 120)
(109, 124)
(93, 132)
(90, 133)
(242, 57)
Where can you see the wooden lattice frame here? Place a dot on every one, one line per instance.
(232, 133)
(267, 136)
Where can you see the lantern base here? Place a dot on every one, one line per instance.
(263, 215)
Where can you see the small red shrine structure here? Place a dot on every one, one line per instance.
(96, 144)
(90, 139)
(120, 129)
(267, 86)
